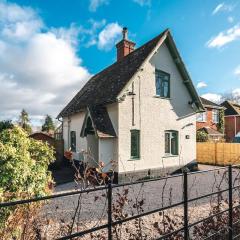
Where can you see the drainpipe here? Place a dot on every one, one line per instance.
(69, 121)
(235, 126)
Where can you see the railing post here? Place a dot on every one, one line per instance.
(230, 202)
(109, 196)
(185, 200)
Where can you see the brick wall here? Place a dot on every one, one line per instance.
(230, 131)
(209, 122)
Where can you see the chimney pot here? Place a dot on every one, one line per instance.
(125, 33)
(125, 46)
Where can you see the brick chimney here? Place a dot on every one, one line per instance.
(124, 47)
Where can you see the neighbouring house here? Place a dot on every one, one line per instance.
(139, 112)
(232, 120)
(211, 121)
(57, 144)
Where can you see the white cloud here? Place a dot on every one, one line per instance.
(39, 66)
(201, 85)
(237, 71)
(225, 37)
(143, 2)
(95, 4)
(236, 93)
(213, 97)
(230, 19)
(108, 36)
(223, 7)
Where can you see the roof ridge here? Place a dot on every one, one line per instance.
(120, 63)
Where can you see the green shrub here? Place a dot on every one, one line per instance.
(23, 169)
(202, 136)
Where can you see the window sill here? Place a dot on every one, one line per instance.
(201, 121)
(157, 96)
(170, 155)
(134, 158)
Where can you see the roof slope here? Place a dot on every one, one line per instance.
(210, 131)
(231, 108)
(105, 86)
(208, 103)
(101, 121)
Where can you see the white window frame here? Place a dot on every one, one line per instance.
(215, 113)
(202, 117)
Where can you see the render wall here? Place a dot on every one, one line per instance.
(154, 115)
(74, 123)
(102, 149)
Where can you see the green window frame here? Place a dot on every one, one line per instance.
(162, 81)
(171, 142)
(73, 141)
(135, 144)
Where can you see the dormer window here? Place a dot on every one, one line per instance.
(162, 84)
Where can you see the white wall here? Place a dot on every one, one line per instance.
(92, 148)
(108, 153)
(154, 115)
(74, 123)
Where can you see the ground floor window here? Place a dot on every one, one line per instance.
(135, 143)
(171, 142)
(73, 141)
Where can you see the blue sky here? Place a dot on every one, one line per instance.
(78, 37)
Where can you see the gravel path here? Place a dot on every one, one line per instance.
(156, 194)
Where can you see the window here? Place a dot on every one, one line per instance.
(73, 141)
(171, 142)
(162, 84)
(135, 143)
(202, 117)
(215, 116)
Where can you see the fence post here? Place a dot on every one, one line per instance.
(109, 196)
(230, 202)
(185, 200)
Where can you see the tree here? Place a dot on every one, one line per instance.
(48, 124)
(24, 121)
(6, 124)
(24, 174)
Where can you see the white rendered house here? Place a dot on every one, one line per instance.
(139, 112)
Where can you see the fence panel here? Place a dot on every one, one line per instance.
(218, 153)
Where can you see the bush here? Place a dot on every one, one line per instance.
(202, 136)
(23, 170)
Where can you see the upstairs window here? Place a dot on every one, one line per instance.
(202, 117)
(73, 141)
(162, 84)
(135, 143)
(215, 116)
(171, 142)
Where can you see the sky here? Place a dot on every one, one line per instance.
(49, 49)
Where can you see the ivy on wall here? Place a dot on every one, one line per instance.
(220, 125)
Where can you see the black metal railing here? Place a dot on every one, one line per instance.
(186, 200)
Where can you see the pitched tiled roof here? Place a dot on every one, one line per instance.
(210, 131)
(231, 108)
(104, 87)
(207, 103)
(101, 121)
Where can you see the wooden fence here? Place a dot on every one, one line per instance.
(218, 153)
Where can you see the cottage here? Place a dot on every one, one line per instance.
(139, 112)
(210, 120)
(232, 120)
